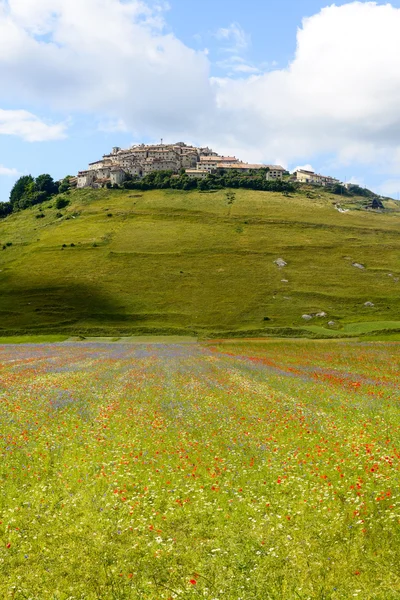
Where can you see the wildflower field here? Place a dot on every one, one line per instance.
(224, 471)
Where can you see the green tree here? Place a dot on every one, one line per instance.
(5, 209)
(64, 185)
(20, 188)
(45, 183)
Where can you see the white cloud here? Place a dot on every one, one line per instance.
(304, 168)
(113, 59)
(234, 37)
(391, 188)
(237, 65)
(7, 172)
(29, 127)
(234, 42)
(339, 96)
(356, 181)
(113, 126)
(105, 57)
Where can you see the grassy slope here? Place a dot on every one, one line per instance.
(186, 262)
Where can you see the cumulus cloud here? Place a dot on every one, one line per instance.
(7, 172)
(29, 127)
(105, 57)
(304, 168)
(340, 95)
(113, 59)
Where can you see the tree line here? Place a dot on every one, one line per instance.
(254, 180)
(29, 191)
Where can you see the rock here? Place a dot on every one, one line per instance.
(369, 304)
(331, 323)
(306, 317)
(280, 262)
(358, 266)
(320, 315)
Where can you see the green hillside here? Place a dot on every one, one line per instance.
(173, 262)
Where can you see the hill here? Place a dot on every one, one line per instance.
(120, 262)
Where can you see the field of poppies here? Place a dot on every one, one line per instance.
(263, 470)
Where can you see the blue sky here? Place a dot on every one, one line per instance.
(300, 82)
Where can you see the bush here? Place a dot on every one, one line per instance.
(40, 216)
(61, 203)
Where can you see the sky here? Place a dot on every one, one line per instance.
(301, 83)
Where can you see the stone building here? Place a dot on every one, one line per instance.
(139, 160)
(142, 159)
(303, 176)
(210, 163)
(275, 172)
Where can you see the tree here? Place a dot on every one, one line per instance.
(5, 209)
(64, 185)
(339, 190)
(35, 197)
(20, 189)
(45, 183)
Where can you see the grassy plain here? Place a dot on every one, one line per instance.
(264, 471)
(187, 263)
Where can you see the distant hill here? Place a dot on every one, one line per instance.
(125, 262)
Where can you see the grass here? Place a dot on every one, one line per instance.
(264, 470)
(187, 263)
(32, 339)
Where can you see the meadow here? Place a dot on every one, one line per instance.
(249, 470)
(168, 262)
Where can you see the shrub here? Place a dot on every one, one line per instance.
(61, 203)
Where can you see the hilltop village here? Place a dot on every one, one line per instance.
(140, 160)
